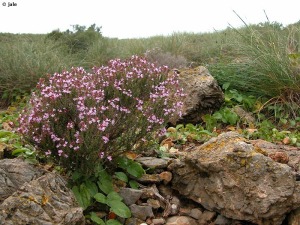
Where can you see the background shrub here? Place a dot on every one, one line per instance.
(81, 119)
(159, 57)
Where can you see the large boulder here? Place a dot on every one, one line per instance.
(43, 197)
(203, 94)
(14, 173)
(230, 176)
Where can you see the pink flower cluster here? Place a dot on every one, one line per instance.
(80, 114)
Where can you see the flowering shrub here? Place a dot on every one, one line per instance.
(82, 118)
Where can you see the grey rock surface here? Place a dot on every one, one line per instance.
(42, 200)
(230, 176)
(14, 173)
(203, 94)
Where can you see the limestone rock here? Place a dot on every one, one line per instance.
(154, 163)
(14, 173)
(130, 195)
(203, 94)
(282, 153)
(141, 212)
(43, 201)
(294, 217)
(159, 221)
(230, 176)
(195, 213)
(221, 220)
(181, 220)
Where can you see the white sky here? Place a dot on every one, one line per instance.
(141, 18)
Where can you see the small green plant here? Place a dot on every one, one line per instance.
(17, 146)
(189, 132)
(97, 192)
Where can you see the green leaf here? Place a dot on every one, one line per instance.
(239, 98)
(105, 185)
(76, 175)
(133, 184)
(78, 196)
(119, 208)
(4, 133)
(205, 132)
(96, 219)
(85, 196)
(121, 176)
(123, 162)
(113, 222)
(135, 169)
(19, 151)
(114, 196)
(100, 198)
(92, 187)
(179, 126)
(225, 86)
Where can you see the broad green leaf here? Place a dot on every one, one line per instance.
(119, 208)
(217, 115)
(179, 126)
(114, 196)
(190, 127)
(100, 198)
(135, 169)
(96, 219)
(123, 162)
(113, 222)
(85, 196)
(76, 175)
(78, 196)
(105, 185)
(105, 182)
(205, 132)
(225, 86)
(18, 151)
(133, 184)
(239, 98)
(92, 187)
(4, 133)
(102, 174)
(5, 139)
(121, 176)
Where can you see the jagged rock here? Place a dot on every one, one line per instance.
(221, 220)
(203, 94)
(206, 217)
(141, 212)
(130, 195)
(154, 163)
(230, 176)
(14, 173)
(246, 117)
(166, 176)
(285, 154)
(165, 190)
(159, 221)
(134, 221)
(154, 203)
(294, 217)
(43, 201)
(181, 220)
(149, 178)
(195, 213)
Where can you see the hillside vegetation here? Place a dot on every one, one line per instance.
(95, 88)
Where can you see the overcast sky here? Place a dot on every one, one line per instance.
(141, 18)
